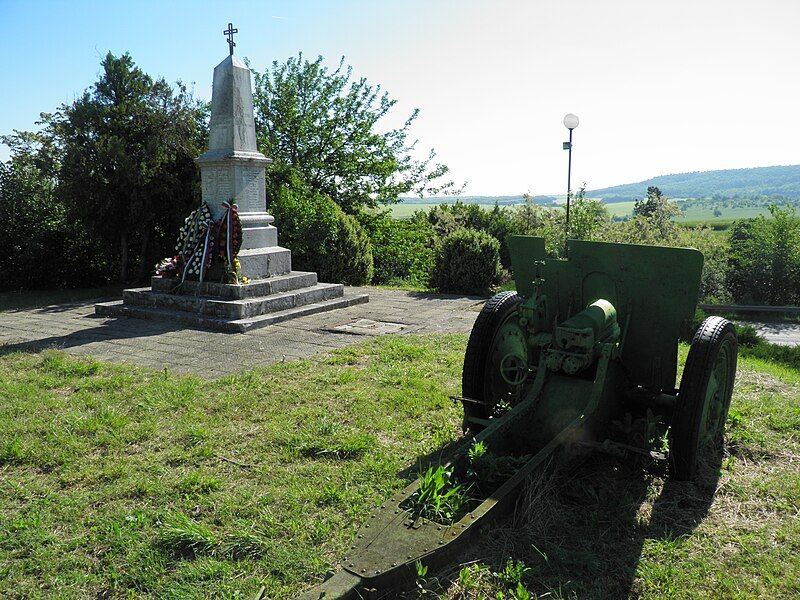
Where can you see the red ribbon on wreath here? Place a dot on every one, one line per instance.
(229, 233)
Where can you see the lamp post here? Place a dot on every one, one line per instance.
(570, 122)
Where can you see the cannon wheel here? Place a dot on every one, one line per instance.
(704, 397)
(496, 360)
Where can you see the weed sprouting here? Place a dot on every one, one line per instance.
(476, 452)
(342, 447)
(489, 470)
(421, 569)
(61, 366)
(242, 545)
(12, 452)
(438, 498)
(512, 572)
(477, 580)
(198, 483)
(441, 499)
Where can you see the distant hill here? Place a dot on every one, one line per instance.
(501, 200)
(726, 183)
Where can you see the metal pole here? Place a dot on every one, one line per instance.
(569, 189)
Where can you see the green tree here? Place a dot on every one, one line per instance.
(587, 215)
(127, 171)
(658, 210)
(326, 128)
(528, 218)
(765, 258)
(44, 246)
(716, 250)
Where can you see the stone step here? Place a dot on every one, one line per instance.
(118, 309)
(226, 291)
(233, 309)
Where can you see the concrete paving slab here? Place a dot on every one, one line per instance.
(76, 329)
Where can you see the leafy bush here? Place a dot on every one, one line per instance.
(765, 259)
(715, 249)
(498, 222)
(748, 336)
(402, 250)
(467, 262)
(587, 220)
(351, 260)
(321, 236)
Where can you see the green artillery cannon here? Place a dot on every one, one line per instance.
(547, 370)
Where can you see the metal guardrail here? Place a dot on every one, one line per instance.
(789, 310)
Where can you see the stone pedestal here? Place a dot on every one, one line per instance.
(232, 170)
(231, 308)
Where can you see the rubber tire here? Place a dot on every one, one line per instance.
(474, 374)
(684, 439)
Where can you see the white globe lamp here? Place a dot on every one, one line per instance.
(570, 121)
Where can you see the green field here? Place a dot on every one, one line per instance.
(618, 209)
(126, 482)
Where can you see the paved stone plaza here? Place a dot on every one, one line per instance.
(75, 329)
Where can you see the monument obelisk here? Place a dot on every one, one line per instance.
(233, 169)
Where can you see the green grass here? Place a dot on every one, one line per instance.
(117, 481)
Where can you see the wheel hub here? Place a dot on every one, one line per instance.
(508, 363)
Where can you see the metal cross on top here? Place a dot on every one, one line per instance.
(229, 32)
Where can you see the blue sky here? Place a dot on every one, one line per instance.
(660, 87)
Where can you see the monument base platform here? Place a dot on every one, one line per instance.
(231, 308)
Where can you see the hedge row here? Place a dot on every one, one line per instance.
(378, 249)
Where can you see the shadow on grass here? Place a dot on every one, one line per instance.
(581, 530)
(436, 457)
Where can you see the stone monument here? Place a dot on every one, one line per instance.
(233, 170)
